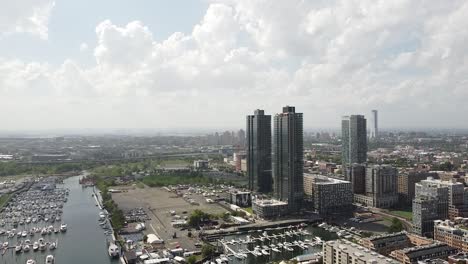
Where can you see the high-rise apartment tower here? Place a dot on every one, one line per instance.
(354, 139)
(288, 160)
(259, 152)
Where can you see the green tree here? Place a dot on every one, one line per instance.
(446, 166)
(197, 217)
(207, 250)
(192, 260)
(239, 213)
(225, 216)
(396, 226)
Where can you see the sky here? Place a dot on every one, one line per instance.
(169, 64)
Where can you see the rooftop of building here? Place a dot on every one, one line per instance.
(430, 180)
(264, 203)
(323, 180)
(415, 251)
(361, 252)
(432, 261)
(385, 236)
(452, 226)
(240, 192)
(459, 256)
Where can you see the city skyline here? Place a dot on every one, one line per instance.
(163, 64)
(233, 131)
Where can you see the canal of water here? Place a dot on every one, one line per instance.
(83, 243)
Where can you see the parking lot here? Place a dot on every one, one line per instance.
(159, 203)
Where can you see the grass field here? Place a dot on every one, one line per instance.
(3, 199)
(405, 214)
(249, 209)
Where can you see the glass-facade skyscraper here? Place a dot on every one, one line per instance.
(288, 160)
(354, 139)
(259, 152)
(375, 125)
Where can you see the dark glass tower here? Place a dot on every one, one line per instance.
(354, 139)
(288, 160)
(259, 152)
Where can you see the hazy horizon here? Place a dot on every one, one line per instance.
(150, 132)
(172, 65)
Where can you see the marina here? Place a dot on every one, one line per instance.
(274, 244)
(49, 223)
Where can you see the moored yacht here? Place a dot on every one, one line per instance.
(113, 250)
(63, 228)
(26, 247)
(31, 261)
(52, 246)
(18, 248)
(50, 259)
(42, 246)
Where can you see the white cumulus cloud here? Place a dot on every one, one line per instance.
(406, 58)
(26, 16)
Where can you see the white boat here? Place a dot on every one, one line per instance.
(52, 246)
(26, 247)
(63, 227)
(18, 248)
(288, 248)
(42, 246)
(113, 251)
(266, 253)
(50, 259)
(5, 244)
(24, 234)
(35, 246)
(275, 250)
(31, 261)
(102, 215)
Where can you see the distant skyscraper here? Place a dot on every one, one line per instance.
(288, 160)
(259, 152)
(354, 139)
(241, 138)
(375, 125)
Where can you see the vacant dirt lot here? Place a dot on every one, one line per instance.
(159, 202)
